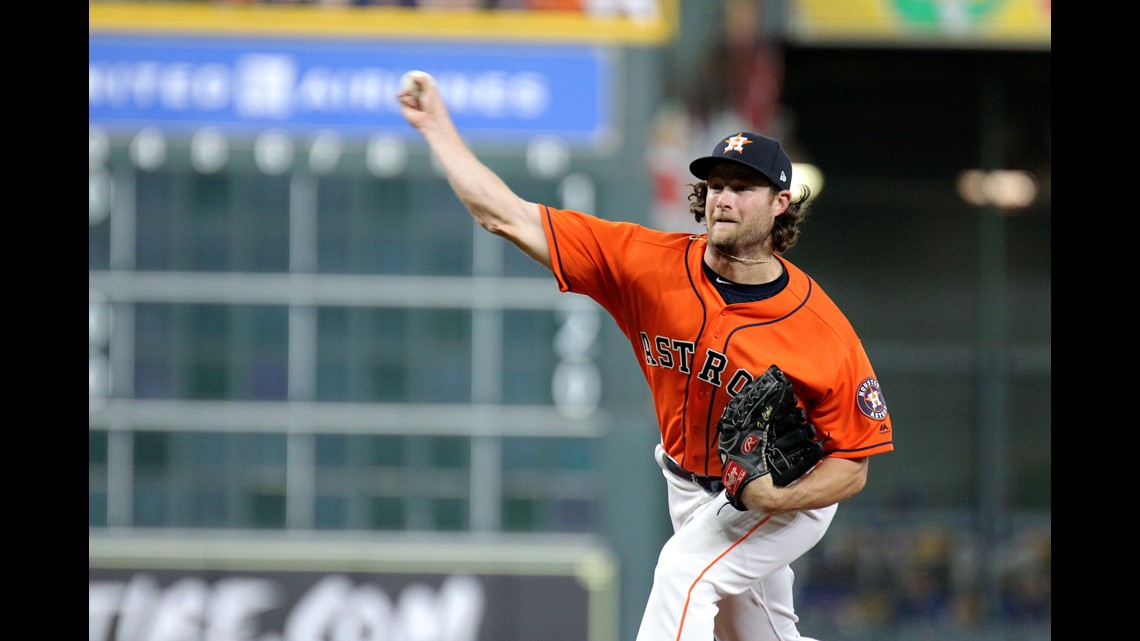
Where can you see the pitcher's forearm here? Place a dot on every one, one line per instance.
(494, 205)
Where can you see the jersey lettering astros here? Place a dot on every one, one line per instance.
(696, 351)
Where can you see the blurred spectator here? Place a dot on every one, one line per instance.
(1026, 583)
(638, 9)
(635, 9)
(925, 579)
(924, 576)
(750, 66)
(451, 4)
(537, 5)
(833, 564)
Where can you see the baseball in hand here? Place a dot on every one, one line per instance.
(408, 81)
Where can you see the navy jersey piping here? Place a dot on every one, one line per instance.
(556, 255)
(728, 339)
(869, 447)
(689, 379)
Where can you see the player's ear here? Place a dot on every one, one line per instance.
(781, 201)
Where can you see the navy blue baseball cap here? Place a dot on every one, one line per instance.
(761, 153)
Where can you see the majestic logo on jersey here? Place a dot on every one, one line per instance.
(869, 399)
(736, 143)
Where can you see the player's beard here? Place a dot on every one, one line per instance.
(743, 239)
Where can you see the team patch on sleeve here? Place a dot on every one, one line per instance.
(869, 398)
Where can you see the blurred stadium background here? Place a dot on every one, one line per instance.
(323, 406)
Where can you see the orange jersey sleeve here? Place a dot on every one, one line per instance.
(696, 351)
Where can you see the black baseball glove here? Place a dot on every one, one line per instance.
(762, 431)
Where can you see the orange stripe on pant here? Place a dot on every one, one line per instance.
(689, 594)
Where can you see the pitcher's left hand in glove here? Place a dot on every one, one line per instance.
(762, 431)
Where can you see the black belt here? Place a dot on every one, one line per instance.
(711, 484)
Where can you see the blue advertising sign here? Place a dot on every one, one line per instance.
(496, 92)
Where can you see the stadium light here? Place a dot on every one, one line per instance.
(209, 150)
(547, 157)
(148, 149)
(273, 152)
(387, 156)
(809, 175)
(1007, 189)
(325, 152)
(98, 147)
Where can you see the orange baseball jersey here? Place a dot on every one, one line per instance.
(696, 351)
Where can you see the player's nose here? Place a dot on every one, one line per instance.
(725, 200)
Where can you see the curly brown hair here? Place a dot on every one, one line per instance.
(786, 227)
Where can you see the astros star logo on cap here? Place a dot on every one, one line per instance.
(736, 143)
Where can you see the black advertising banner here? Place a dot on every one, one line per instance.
(180, 594)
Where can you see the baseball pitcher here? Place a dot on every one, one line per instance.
(768, 407)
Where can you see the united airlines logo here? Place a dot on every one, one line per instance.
(869, 398)
(736, 143)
